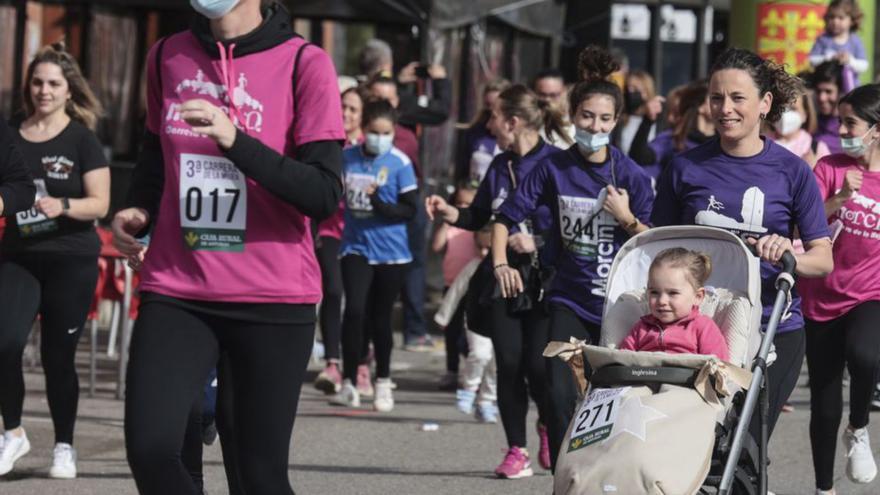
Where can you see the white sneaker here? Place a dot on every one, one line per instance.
(347, 396)
(63, 462)
(860, 465)
(825, 492)
(384, 401)
(14, 448)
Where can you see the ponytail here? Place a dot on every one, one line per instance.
(595, 66)
(554, 121)
(519, 101)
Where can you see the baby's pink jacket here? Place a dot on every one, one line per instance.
(693, 334)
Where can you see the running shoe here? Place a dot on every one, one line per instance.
(487, 412)
(63, 462)
(384, 401)
(875, 399)
(448, 382)
(209, 433)
(364, 382)
(464, 400)
(347, 396)
(860, 465)
(420, 344)
(515, 465)
(544, 451)
(329, 380)
(14, 448)
(825, 492)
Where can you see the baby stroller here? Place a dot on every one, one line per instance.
(658, 423)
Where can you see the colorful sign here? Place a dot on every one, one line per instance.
(787, 31)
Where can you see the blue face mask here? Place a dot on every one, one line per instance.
(856, 147)
(590, 142)
(378, 144)
(213, 9)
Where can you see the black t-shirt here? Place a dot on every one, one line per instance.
(57, 166)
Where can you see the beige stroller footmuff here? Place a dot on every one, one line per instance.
(631, 440)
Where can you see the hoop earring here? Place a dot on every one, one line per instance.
(762, 116)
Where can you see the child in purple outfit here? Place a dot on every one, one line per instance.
(839, 42)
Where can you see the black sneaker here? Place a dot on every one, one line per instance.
(209, 433)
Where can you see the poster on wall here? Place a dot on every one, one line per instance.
(787, 30)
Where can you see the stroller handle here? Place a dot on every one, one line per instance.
(788, 260)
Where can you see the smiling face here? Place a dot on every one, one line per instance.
(736, 105)
(49, 89)
(827, 94)
(851, 126)
(671, 295)
(352, 108)
(595, 114)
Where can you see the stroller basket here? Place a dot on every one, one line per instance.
(616, 375)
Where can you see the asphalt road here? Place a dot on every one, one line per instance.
(361, 452)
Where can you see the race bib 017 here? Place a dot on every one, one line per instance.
(33, 222)
(595, 418)
(213, 203)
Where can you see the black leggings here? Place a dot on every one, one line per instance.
(378, 284)
(60, 289)
(453, 336)
(330, 314)
(172, 351)
(782, 377)
(562, 388)
(851, 340)
(519, 343)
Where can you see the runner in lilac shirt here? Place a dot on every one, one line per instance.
(598, 198)
(753, 187)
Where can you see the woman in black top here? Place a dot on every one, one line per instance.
(16, 186)
(50, 251)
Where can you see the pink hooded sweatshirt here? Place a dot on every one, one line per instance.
(693, 334)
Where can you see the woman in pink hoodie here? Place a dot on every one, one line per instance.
(675, 325)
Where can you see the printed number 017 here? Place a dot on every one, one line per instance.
(194, 203)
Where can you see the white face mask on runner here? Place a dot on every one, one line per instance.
(213, 9)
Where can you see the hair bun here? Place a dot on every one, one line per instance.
(596, 64)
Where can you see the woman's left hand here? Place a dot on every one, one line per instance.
(51, 207)
(371, 189)
(771, 247)
(617, 204)
(209, 120)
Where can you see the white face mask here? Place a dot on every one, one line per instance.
(378, 144)
(790, 122)
(590, 142)
(856, 147)
(213, 9)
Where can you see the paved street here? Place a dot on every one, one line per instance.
(362, 452)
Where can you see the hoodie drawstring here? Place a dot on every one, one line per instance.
(227, 68)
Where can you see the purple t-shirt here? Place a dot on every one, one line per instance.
(476, 154)
(496, 186)
(769, 193)
(583, 244)
(827, 132)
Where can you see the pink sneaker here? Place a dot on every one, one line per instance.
(516, 465)
(364, 382)
(544, 452)
(329, 380)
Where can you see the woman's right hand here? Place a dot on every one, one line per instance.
(126, 223)
(852, 182)
(508, 280)
(437, 206)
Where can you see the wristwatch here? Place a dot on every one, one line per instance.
(65, 204)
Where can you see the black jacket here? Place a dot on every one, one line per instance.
(16, 184)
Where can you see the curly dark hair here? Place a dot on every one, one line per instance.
(768, 76)
(595, 65)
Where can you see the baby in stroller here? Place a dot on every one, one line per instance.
(669, 421)
(675, 291)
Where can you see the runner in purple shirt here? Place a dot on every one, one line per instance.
(826, 83)
(753, 187)
(598, 198)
